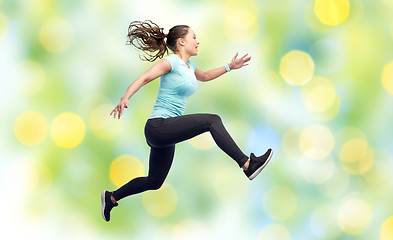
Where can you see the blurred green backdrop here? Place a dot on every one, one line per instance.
(318, 90)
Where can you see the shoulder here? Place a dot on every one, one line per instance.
(163, 66)
(173, 60)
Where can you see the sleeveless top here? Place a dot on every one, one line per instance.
(175, 88)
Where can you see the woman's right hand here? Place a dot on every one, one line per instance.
(119, 109)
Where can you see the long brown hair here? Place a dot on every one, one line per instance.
(150, 38)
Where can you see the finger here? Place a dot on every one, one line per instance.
(247, 59)
(121, 111)
(236, 55)
(114, 111)
(244, 56)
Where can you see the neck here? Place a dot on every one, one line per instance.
(183, 55)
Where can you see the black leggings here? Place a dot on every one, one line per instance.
(163, 133)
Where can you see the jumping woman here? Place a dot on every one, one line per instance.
(167, 125)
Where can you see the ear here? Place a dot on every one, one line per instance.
(181, 41)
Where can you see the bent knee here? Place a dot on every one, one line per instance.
(155, 183)
(215, 118)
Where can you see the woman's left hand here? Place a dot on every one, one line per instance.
(238, 63)
(119, 109)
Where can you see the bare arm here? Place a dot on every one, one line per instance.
(158, 69)
(217, 72)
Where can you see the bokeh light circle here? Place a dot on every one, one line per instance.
(241, 21)
(56, 35)
(3, 26)
(296, 67)
(124, 168)
(356, 157)
(29, 77)
(321, 99)
(104, 125)
(161, 202)
(203, 141)
(275, 232)
(387, 77)
(331, 12)
(318, 94)
(68, 130)
(316, 142)
(329, 113)
(380, 173)
(354, 216)
(387, 229)
(353, 150)
(31, 128)
(348, 133)
(280, 202)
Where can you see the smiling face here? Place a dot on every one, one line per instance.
(190, 43)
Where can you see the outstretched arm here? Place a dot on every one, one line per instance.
(158, 69)
(215, 73)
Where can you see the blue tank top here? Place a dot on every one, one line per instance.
(175, 88)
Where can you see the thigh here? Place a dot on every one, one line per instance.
(160, 161)
(178, 129)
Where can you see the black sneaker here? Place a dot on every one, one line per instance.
(107, 205)
(257, 164)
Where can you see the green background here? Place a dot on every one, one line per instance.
(51, 192)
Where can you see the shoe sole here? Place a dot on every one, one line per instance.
(103, 205)
(261, 167)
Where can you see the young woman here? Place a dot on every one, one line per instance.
(167, 125)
